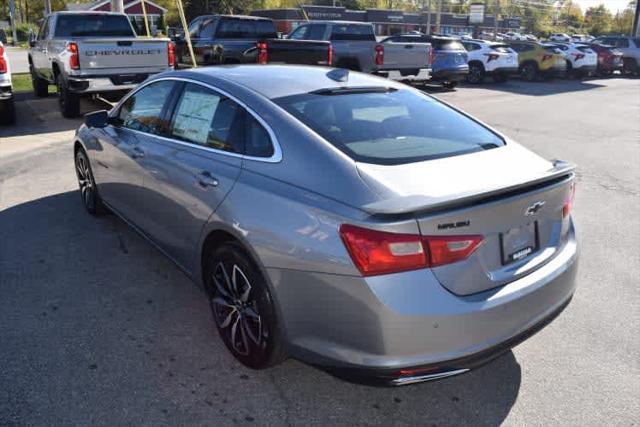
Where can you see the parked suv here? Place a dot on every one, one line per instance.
(581, 60)
(7, 110)
(236, 39)
(495, 59)
(537, 60)
(609, 58)
(630, 48)
(93, 53)
(450, 57)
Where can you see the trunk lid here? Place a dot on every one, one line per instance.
(132, 55)
(511, 197)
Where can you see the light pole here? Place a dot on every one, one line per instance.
(12, 16)
(117, 6)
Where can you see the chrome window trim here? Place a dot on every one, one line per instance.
(276, 157)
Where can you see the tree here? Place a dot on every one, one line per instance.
(571, 16)
(623, 21)
(598, 19)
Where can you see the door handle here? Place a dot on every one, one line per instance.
(138, 153)
(207, 180)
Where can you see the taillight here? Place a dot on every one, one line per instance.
(431, 56)
(578, 55)
(262, 52)
(3, 62)
(379, 54)
(330, 55)
(74, 59)
(568, 203)
(171, 54)
(492, 57)
(378, 252)
(449, 249)
(546, 57)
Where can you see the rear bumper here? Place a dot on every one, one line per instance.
(450, 75)
(6, 92)
(423, 74)
(407, 327)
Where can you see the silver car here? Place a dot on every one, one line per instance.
(339, 218)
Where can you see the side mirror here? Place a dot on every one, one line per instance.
(97, 119)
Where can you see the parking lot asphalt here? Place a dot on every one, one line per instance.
(96, 327)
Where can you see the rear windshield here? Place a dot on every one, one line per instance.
(93, 26)
(447, 44)
(394, 127)
(352, 32)
(246, 29)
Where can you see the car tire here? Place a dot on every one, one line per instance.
(629, 66)
(499, 77)
(68, 102)
(529, 72)
(40, 86)
(87, 184)
(7, 112)
(476, 73)
(243, 308)
(450, 85)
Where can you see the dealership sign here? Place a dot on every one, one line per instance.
(476, 13)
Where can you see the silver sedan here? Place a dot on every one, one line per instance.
(342, 219)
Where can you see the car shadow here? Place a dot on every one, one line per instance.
(97, 324)
(536, 88)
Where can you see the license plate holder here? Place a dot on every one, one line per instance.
(519, 242)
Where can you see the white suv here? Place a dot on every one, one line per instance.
(581, 59)
(496, 59)
(559, 37)
(7, 111)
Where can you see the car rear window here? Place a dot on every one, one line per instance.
(246, 29)
(93, 26)
(395, 127)
(352, 32)
(447, 44)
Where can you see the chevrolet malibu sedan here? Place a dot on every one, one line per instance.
(339, 218)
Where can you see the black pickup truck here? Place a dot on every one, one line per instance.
(235, 39)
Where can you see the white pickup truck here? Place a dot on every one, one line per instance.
(92, 53)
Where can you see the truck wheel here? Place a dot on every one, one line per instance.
(629, 66)
(69, 102)
(40, 86)
(7, 112)
(476, 73)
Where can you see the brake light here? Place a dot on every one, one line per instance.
(171, 54)
(262, 52)
(3, 62)
(578, 55)
(330, 55)
(449, 249)
(378, 252)
(546, 57)
(74, 59)
(492, 57)
(379, 54)
(431, 56)
(568, 203)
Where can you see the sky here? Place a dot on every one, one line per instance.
(613, 5)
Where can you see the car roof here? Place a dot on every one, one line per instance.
(276, 81)
(243, 17)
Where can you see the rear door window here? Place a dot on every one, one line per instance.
(301, 33)
(447, 44)
(316, 32)
(207, 118)
(246, 29)
(390, 127)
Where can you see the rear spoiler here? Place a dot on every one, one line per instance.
(560, 171)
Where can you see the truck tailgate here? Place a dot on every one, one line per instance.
(131, 55)
(403, 56)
